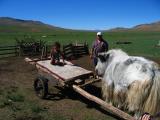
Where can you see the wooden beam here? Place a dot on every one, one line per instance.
(105, 105)
(5, 49)
(9, 46)
(7, 53)
(90, 82)
(33, 61)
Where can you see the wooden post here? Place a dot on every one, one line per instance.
(46, 52)
(42, 54)
(107, 106)
(19, 50)
(16, 51)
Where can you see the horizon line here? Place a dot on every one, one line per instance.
(85, 29)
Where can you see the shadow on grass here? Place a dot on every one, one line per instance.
(71, 94)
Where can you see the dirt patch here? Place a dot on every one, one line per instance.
(19, 102)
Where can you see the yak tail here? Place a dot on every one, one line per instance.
(152, 104)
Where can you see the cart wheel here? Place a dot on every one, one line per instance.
(41, 87)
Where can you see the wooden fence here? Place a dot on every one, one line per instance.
(6, 51)
(25, 50)
(68, 51)
(30, 48)
(71, 51)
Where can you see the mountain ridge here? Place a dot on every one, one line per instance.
(9, 24)
(154, 26)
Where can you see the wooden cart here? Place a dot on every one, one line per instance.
(71, 76)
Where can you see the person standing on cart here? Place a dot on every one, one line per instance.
(98, 46)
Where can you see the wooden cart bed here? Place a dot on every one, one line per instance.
(67, 72)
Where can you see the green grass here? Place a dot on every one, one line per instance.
(36, 108)
(143, 43)
(16, 107)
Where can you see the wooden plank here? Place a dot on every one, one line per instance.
(68, 72)
(35, 59)
(90, 82)
(108, 107)
(31, 61)
(7, 53)
(80, 47)
(7, 56)
(4, 49)
(80, 44)
(68, 52)
(80, 50)
(81, 53)
(69, 45)
(8, 46)
(67, 48)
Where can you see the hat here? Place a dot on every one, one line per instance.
(99, 33)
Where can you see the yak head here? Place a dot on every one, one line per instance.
(103, 61)
(106, 58)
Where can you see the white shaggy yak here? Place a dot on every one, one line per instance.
(130, 83)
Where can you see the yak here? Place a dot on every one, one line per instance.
(130, 83)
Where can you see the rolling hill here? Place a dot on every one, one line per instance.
(10, 25)
(155, 26)
(148, 27)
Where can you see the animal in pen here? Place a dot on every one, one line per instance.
(129, 82)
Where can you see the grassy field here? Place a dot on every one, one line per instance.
(142, 43)
(17, 98)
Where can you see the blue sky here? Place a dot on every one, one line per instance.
(84, 14)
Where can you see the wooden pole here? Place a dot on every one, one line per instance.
(107, 106)
(32, 61)
(89, 82)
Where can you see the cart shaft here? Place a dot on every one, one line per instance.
(107, 106)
